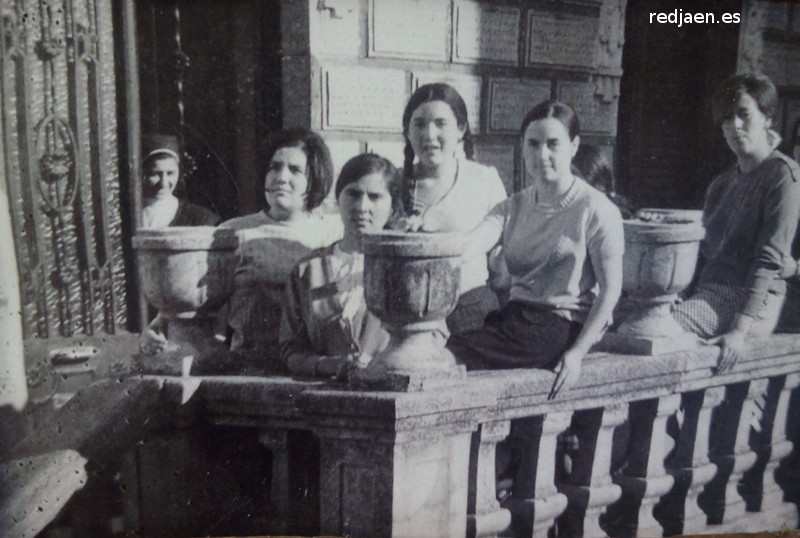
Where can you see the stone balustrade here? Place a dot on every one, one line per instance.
(408, 448)
(664, 447)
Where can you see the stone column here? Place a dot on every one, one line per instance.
(678, 511)
(589, 487)
(393, 464)
(277, 442)
(535, 502)
(643, 479)
(759, 487)
(485, 517)
(731, 453)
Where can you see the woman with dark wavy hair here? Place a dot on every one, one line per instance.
(750, 215)
(298, 174)
(446, 191)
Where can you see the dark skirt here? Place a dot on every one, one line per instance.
(471, 310)
(518, 336)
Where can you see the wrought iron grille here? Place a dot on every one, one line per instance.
(62, 178)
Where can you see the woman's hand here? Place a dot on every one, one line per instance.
(340, 366)
(152, 340)
(409, 223)
(790, 269)
(568, 370)
(732, 344)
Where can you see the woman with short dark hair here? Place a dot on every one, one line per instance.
(297, 173)
(750, 215)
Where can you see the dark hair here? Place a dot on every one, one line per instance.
(371, 163)
(557, 110)
(436, 92)
(759, 87)
(594, 166)
(319, 167)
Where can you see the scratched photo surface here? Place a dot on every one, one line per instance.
(200, 339)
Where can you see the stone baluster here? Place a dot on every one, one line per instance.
(535, 502)
(589, 488)
(643, 479)
(759, 487)
(485, 517)
(678, 511)
(731, 453)
(277, 442)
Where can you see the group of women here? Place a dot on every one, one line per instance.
(559, 243)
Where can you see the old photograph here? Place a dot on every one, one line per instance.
(409, 268)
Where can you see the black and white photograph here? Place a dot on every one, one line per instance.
(399, 268)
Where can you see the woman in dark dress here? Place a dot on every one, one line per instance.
(750, 215)
(161, 173)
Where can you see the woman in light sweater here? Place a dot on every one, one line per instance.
(563, 244)
(750, 215)
(445, 191)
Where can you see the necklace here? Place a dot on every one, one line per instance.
(437, 197)
(557, 200)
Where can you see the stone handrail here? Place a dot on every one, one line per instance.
(382, 450)
(415, 454)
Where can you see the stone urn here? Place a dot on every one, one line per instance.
(661, 249)
(184, 272)
(411, 283)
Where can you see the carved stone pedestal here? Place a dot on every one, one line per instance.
(185, 273)
(660, 257)
(411, 284)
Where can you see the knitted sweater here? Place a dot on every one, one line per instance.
(751, 219)
(551, 251)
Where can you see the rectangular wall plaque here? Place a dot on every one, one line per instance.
(485, 33)
(468, 86)
(567, 40)
(780, 63)
(337, 35)
(502, 158)
(595, 115)
(408, 29)
(363, 98)
(510, 100)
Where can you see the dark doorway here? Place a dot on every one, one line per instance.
(668, 148)
(210, 73)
